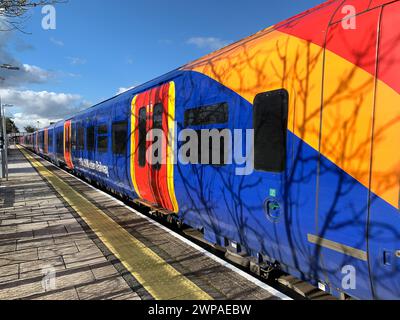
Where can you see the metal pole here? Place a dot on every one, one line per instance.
(5, 142)
(13, 135)
(2, 171)
(3, 136)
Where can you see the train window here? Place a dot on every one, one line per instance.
(142, 136)
(73, 135)
(119, 137)
(157, 124)
(102, 138)
(60, 142)
(270, 130)
(214, 114)
(41, 140)
(50, 142)
(102, 143)
(80, 137)
(90, 138)
(102, 129)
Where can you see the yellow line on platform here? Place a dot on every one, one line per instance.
(159, 278)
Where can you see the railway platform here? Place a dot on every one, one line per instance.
(62, 239)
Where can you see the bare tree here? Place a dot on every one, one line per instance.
(11, 127)
(29, 129)
(13, 13)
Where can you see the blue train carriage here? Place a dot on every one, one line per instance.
(93, 154)
(299, 188)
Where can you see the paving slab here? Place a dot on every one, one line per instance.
(37, 231)
(60, 240)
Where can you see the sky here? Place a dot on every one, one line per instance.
(101, 48)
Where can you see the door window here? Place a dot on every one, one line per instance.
(270, 130)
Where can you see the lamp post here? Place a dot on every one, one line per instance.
(3, 132)
(3, 106)
(2, 156)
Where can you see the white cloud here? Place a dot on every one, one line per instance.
(21, 121)
(35, 74)
(208, 42)
(76, 61)
(27, 74)
(36, 105)
(32, 106)
(122, 89)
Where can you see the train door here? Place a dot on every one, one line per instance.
(102, 132)
(120, 141)
(41, 141)
(68, 144)
(90, 137)
(50, 141)
(340, 240)
(153, 112)
(384, 224)
(46, 142)
(36, 138)
(261, 205)
(59, 135)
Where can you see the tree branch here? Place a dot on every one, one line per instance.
(14, 13)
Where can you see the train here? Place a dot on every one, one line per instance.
(316, 99)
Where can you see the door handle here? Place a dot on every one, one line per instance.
(273, 209)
